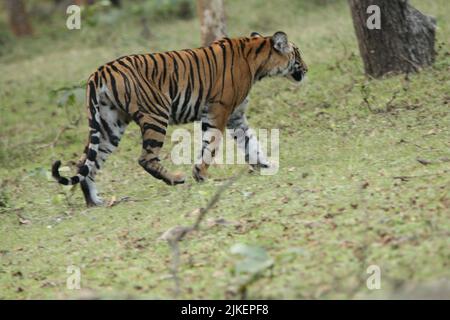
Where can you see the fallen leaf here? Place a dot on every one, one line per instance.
(221, 221)
(311, 224)
(174, 233)
(48, 284)
(194, 212)
(17, 274)
(424, 161)
(285, 199)
(24, 221)
(431, 132)
(112, 202)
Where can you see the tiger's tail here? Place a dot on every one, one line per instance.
(92, 147)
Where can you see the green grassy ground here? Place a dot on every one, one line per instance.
(350, 191)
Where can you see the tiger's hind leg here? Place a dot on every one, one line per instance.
(153, 129)
(113, 123)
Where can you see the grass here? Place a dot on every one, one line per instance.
(350, 191)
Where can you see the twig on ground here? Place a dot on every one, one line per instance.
(114, 201)
(214, 200)
(80, 85)
(174, 268)
(388, 106)
(59, 134)
(414, 144)
(407, 178)
(175, 234)
(55, 140)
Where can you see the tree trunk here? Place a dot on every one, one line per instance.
(18, 18)
(403, 44)
(116, 3)
(212, 20)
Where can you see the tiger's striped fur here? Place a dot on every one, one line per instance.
(209, 84)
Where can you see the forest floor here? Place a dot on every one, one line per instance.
(359, 183)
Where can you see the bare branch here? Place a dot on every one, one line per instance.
(175, 234)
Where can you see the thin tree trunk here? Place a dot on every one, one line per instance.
(212, 20)
(18, 18)
(403, 44)
(116, 3)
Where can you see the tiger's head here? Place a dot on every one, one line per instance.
(283, 58)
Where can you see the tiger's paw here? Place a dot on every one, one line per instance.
(198, 175)
(260, 165)
(95, 202)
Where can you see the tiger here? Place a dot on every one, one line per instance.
(209, 84)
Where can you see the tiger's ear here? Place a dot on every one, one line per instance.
(255, 34)
(280, 42)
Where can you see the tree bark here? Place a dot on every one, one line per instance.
(18, 18)
(405, 42)
(116, 3)
(212, 20)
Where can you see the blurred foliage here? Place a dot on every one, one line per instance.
(250, 268)
(70, 98)
(164, 9)
(68, 95)
(49, 21)
(253, 260)
(3, 199)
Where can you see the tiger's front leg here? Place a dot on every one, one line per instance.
(213, 120)
(246, 139)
